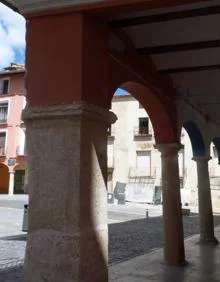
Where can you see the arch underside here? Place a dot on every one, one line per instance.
(196, 138)
(161, 110)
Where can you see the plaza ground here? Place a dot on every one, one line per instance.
(135, 245)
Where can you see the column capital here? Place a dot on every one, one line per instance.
(202, 159)
(74, 110)
(169, 149)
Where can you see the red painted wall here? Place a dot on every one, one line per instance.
(66, 60)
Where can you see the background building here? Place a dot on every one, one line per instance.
(12, 130)
(133, 160)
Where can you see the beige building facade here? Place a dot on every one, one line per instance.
(134, 162)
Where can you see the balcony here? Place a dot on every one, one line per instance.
(142, 132)
(3, 119)
(3, 112)
(142, 172)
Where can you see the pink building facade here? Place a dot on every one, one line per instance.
(13, 166)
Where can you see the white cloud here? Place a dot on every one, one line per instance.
(12, 35)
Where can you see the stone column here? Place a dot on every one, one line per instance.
(66, 120)
(11, 183)
(68, 235)
(205, 202)
(174, 252)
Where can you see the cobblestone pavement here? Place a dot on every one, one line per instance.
(127, 239)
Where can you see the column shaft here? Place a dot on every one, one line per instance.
(174, 253)
(68, 233)
(11, 183)
(205, 202)
(66, 121)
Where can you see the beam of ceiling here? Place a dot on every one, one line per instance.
(165, 17)
(209, 104)
(179, 47)
(189, 69)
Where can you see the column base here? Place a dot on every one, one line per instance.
(208, 241)
(57, 256)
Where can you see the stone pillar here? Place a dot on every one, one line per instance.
(174, 252)
(66, 131)
(68, 235)
(11, 183)
(205, 202)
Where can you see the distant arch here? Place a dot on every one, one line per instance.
(196, 138)
(164, 121)
(4, 179)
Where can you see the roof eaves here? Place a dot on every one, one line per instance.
(11, 72)
(10, 5)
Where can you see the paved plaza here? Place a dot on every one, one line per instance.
(135, 244)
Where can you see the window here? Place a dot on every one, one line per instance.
(2, 143)
(143, 163)
(19, 181)
(143, 125)
(4, 86)
(3, 112)
(143, 158)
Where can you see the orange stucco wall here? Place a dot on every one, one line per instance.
(17, 85)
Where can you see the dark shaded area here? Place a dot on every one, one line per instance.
(137, 237)
(196, 138)
(12, 274)
(20, 237)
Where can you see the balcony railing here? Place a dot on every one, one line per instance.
(3, 118)
(142, 172)
(142, 131)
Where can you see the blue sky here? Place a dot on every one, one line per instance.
(12, 37)
(120, 91)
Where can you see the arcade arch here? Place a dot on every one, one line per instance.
(4, 179)
(164, 122)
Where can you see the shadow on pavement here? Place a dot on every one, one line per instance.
(11, 274)
(137, 237)
(20, 237)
